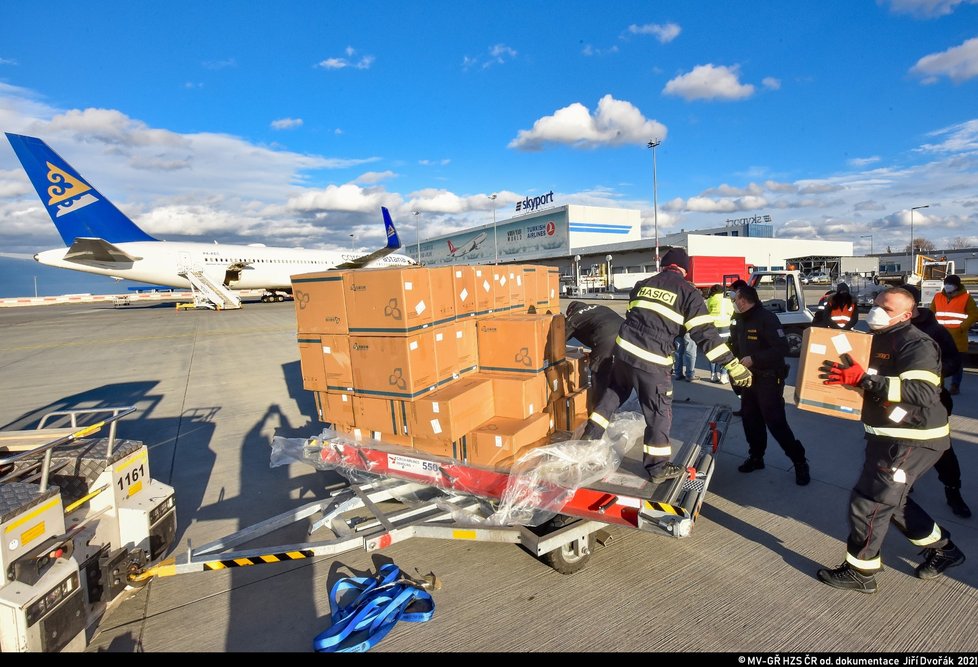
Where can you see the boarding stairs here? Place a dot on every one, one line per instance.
(209, 293)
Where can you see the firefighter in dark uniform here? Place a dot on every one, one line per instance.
(906, 433)
(597, 327)
(659, 309)
(759, 341)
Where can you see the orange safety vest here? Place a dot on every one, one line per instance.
(951, 312)
(842, 316)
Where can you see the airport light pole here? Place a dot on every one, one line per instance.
(653, 144)
(495, 241)
(913, 267)
(417, 232)
(35, 287)
(611, 283)
(870, 237)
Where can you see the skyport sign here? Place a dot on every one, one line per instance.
(531, 204)
(753, 220)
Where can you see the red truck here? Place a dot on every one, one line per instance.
(705, 272)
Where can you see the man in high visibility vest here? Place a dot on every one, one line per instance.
(838, 311)
(955, 311)
(906, 433)
(721, 308)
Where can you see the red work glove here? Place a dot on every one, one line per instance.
(847, 373)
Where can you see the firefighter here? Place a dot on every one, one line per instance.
(838, 311)
(596, 326)
(955, 311)
(721, 308)
(948, 468)
(760, 343)
(906, 433)
(659, 308)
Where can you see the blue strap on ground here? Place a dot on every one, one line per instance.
(377, 604)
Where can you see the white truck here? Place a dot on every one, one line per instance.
(781, 292)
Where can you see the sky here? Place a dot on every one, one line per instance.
(291, 123)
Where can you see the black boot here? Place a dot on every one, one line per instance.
(954, 499)
(938, 560)
(802, 473)
(663, 470)
(849, 578)
(751, 464)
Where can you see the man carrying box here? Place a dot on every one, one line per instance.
(659, 309)
(906, 433)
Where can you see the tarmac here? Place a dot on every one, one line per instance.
(212, 388)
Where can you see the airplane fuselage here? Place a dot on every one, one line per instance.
(160, 263)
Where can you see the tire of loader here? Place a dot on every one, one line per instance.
(566, 559)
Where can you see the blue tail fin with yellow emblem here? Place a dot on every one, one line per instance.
(77, 209)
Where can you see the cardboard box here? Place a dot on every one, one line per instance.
(467, 340)
(517, 288)
(500, 288)
(553, 289)
(464, 291)
(819, 344)
(518, 343)
(337, 409)
(578, 370)
(394, 366)
(557, 339)
(558, 381)
(457, 450)
(485, 292)
(319, 302)
(380, 415)
(537, 291)
(451, 412)
(570, 411)
(311, 364)
(500, 438)
(362, 435)
(442, 281)
(446, 352)
(517, 396)
(388, 301)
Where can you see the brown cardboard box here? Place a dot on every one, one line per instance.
(319, 302)
(501, 438)
(311, 362)
(446, 352)
(578, 374)
(517, 395)
(380, 415)
(517, 288)
(465, 293)
(536, 277)
(467, 339)
(553, 288)
(336, 361)
(394, 366)
(451, 412)
(557, 339)
(819, 344)
(453, 450)
(388, 301)
(485, 295)
(558, 381)
(516, 343)
(442, 282)
(361, 435)
(570, 411)
(500, 287)
(338, 408)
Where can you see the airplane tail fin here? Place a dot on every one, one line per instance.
(393, 241)
(451, 246)
(77, 209)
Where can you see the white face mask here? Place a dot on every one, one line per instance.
(877, 318)
(949, 288)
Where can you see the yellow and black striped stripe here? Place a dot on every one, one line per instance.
(258, 560)
(663, 507)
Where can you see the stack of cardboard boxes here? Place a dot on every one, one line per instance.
(466, 362)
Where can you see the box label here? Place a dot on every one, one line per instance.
(841, 344)
(413, 466)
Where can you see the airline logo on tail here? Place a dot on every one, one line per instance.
(66, 192)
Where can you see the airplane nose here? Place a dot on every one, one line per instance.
(35, 257)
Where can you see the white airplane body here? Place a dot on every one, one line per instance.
(463, 250)
(104, 241)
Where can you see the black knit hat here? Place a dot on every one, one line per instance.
(677, 257)
(953, 280)
(842, 288)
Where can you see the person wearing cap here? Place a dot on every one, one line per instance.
(956, 311)
(597, 327)
(721, 308)
(948, 468)
(839, 310)
(906, 433)
(659, 309)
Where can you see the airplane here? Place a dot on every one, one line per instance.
(461, 251)
(101, 239)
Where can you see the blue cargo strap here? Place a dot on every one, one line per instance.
(379, 603)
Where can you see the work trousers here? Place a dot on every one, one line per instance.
(600, 380)
(762, 406)
(654, 390)
(880, 496)
(947, 467)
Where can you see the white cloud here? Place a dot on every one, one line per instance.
(614, 123)
(725, 205)
(374, 176)
(864, 161)
(771, 83)
(286, 123)
(7, 61)
(869, 206)
(924, 8)
(590, 50)
(959, 138)
(959, 63)
(341, 63)
(191, 85)
(665, 33)
(220, 64)
(434, 163)
(497, 54)
(709, 82)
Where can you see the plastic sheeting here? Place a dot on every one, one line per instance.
(540, 483)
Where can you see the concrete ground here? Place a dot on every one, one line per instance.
(213, 388)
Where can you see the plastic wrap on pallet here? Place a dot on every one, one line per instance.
(542, 481)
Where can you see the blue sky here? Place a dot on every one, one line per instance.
(292, 123)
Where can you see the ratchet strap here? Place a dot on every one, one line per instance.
(377, 604)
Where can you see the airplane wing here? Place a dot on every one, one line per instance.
(97, 250)
(393, 243)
